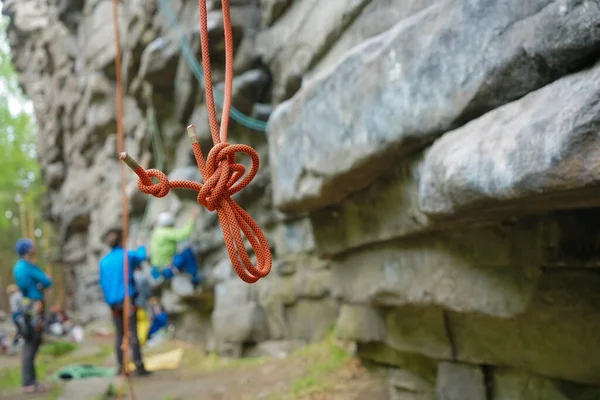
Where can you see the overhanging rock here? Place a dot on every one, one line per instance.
(430, 73)
(536, 154)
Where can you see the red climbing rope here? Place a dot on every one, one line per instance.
(221, 174)
(125, 205)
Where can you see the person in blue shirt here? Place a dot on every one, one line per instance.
(112, 282)
(31, 281)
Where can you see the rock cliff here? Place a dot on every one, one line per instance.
(429, 176)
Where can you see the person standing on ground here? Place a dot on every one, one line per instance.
(163, 248)
(112, 282)
(32, 281)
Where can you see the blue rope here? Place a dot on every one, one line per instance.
(198, 72)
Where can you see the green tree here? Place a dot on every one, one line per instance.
(19, 170)
(20, 173)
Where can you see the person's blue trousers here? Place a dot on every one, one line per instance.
(184, 262)
(158, 322)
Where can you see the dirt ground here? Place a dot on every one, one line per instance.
(323, 371)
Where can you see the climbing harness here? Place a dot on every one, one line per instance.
(125, 203)
(221, 174)
(196, 69)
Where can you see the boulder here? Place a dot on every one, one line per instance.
(538, 153)
(338, 133)
(564, 310)
(490, 271)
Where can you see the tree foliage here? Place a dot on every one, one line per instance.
(19, 170)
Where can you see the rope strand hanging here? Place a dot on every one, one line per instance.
(222, 175)
(125, 345)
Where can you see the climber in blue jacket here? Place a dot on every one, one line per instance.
(112, 282)
(31, 281)
(29, 278)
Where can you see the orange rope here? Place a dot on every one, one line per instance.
(220, 171)
(125, 203)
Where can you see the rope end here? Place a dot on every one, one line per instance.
(131, 163)
(191, 131)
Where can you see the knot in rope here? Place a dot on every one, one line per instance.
(146, 185)
(221, 174)
(223, 177)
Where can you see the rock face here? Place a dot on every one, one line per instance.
(403, 88)
(439, 159)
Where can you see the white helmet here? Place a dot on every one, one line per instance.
(165, 219)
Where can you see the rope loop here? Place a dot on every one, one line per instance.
(146, 185)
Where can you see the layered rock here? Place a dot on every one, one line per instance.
(449, 169)
(404, 88)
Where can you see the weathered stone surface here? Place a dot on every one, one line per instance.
(294, 236)
(493, 53)
(193, 327)
(272, 9)
(564, 310)
(158, 63)
(243, 323)
(277, 289)
(459, 382)
(360, 324)
(419, 329)
(484, 271)
(545, 144)
(289, 63)
(54, 174)
(510, 384)
(97, 38)
(387, 209)
(311, 320)
(376, 18)
(285, 268)
(379, 352)
(231, 293)
(313, 284)
(247, 89)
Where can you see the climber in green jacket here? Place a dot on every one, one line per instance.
(163, 248)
